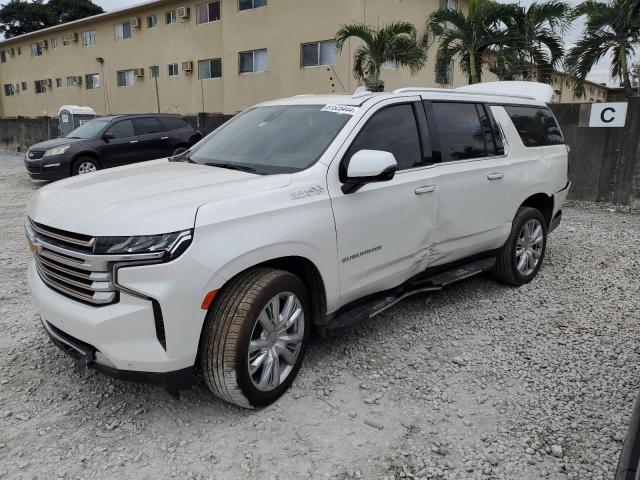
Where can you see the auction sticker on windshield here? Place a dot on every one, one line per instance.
(340, 109)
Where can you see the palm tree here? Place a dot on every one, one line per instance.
(395, 42)
(607, 32)
(471, 38)
(536, 49)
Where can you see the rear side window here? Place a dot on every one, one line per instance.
(536, 125)
(392, 129)
(174, 123)
(459, 130)
(145, 126)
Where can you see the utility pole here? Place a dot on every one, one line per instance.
(157, 94)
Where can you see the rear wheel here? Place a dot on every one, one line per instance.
(84, 165)
(255, 336)
(519, 260)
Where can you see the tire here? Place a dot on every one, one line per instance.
(511, 268)
(84, 165)
(232, 323)
(178, 151)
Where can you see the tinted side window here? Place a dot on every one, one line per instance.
(122, 129)
(174, 123)
(392, 129)
(459, 130)
(536, 125)
(144, 126)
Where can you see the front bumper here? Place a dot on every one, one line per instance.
(53, 167)
(88, 355)
(124, 334)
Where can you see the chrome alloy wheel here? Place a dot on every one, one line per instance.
(276, 341)
(86, 167)
(529, 247)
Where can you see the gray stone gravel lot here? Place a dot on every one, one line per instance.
(478, 381)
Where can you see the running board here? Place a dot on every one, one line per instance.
(379, 304)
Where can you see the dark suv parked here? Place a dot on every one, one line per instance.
(109, 142)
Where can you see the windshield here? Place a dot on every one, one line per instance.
(88, 130)
(275, 139)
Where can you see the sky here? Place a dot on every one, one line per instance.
(599, 74)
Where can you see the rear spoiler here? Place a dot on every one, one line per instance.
(541, 92)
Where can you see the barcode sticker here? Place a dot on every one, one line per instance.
(340, 109)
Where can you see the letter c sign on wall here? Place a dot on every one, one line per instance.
(608, 114)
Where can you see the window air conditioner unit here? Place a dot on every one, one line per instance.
(184, 12)
(138, 72)
(49, 83)
(135, 22)
(17, 87)
(11, 52)
(187, 66)
(79, 79)
(44, 44)
(72, 37)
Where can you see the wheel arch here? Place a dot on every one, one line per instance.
(541, 202)
(85, 153)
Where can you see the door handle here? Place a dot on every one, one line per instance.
(133, 141)
(495, 176)
(425, 189)
(164, 138)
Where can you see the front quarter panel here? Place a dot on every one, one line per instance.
(295, 220)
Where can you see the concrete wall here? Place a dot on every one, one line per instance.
(605, 162)
(20, 133)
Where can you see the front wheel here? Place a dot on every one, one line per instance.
(255, 336)
(84, 165)
(520, 258)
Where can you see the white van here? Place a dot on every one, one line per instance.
(315, 211)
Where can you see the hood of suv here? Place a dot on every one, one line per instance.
(46, 145)
(142, 199)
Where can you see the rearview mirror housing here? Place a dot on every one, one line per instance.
(368, 166)
(108, 136)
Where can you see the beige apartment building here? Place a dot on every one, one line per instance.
(563, 91)
(217, 56)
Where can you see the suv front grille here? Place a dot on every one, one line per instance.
(34, 155)
(64, 263)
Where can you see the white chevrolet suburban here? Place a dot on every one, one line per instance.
(312, 212)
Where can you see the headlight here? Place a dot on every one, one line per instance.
(56, 150)
(174, 244)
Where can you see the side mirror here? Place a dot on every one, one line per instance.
(368, 166)
(108, 136)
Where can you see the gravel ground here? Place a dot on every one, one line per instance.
(478, 381)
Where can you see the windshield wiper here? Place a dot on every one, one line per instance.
(230, 166)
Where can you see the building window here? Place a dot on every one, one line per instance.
(88, 38)
(449, 4)
(40, 86)
(72, 81)
(54, 42)
(125, 78)
(58, 82)
(390, 65)
(9, 89)
(249, 4)
(210, 68)
(123, 30)
(36, 49)
(318, 53)
(3, 56)
(92, 81)
(152, 21)
(447, 77)
(253, 61)
(171, 17)
(172, 69)
(20, 53)
(68, 39)
(154, 71)
(207, 12)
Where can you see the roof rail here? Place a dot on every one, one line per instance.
(458, 92)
